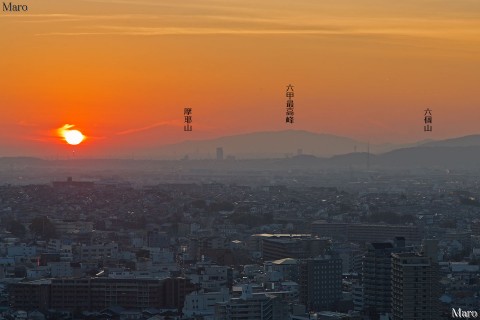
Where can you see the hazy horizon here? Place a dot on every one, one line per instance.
(249, 145)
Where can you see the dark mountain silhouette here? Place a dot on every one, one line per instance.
(446, 157)
(458, 158)
(465, 141)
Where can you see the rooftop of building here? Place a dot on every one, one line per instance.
(285, 261)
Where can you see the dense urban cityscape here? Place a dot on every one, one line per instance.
(239, 244)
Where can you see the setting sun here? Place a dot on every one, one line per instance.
(72, 137)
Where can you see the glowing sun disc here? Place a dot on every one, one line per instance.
(73, 137)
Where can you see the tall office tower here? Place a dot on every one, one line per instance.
(219, 153)
(320, 282)
(376, 276)
(415, 287)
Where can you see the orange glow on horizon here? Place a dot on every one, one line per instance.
(125, 70)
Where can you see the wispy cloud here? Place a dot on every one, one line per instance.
(196, 5)
(67, 17)
(216, 17)
(155, 25)
(453, 34)
(154, 31)
(151, 126)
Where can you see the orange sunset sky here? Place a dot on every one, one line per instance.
(122, 71)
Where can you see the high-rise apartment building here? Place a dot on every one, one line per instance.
(377, 276)
(415, 287)
(320, 282)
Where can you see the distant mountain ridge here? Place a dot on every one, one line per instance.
(300, 149)
(316, 150)
(268, 144)
(416, 157)
(275, 144)
(465, 141)
(278, 144)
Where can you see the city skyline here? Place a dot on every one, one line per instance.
(122, 72)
